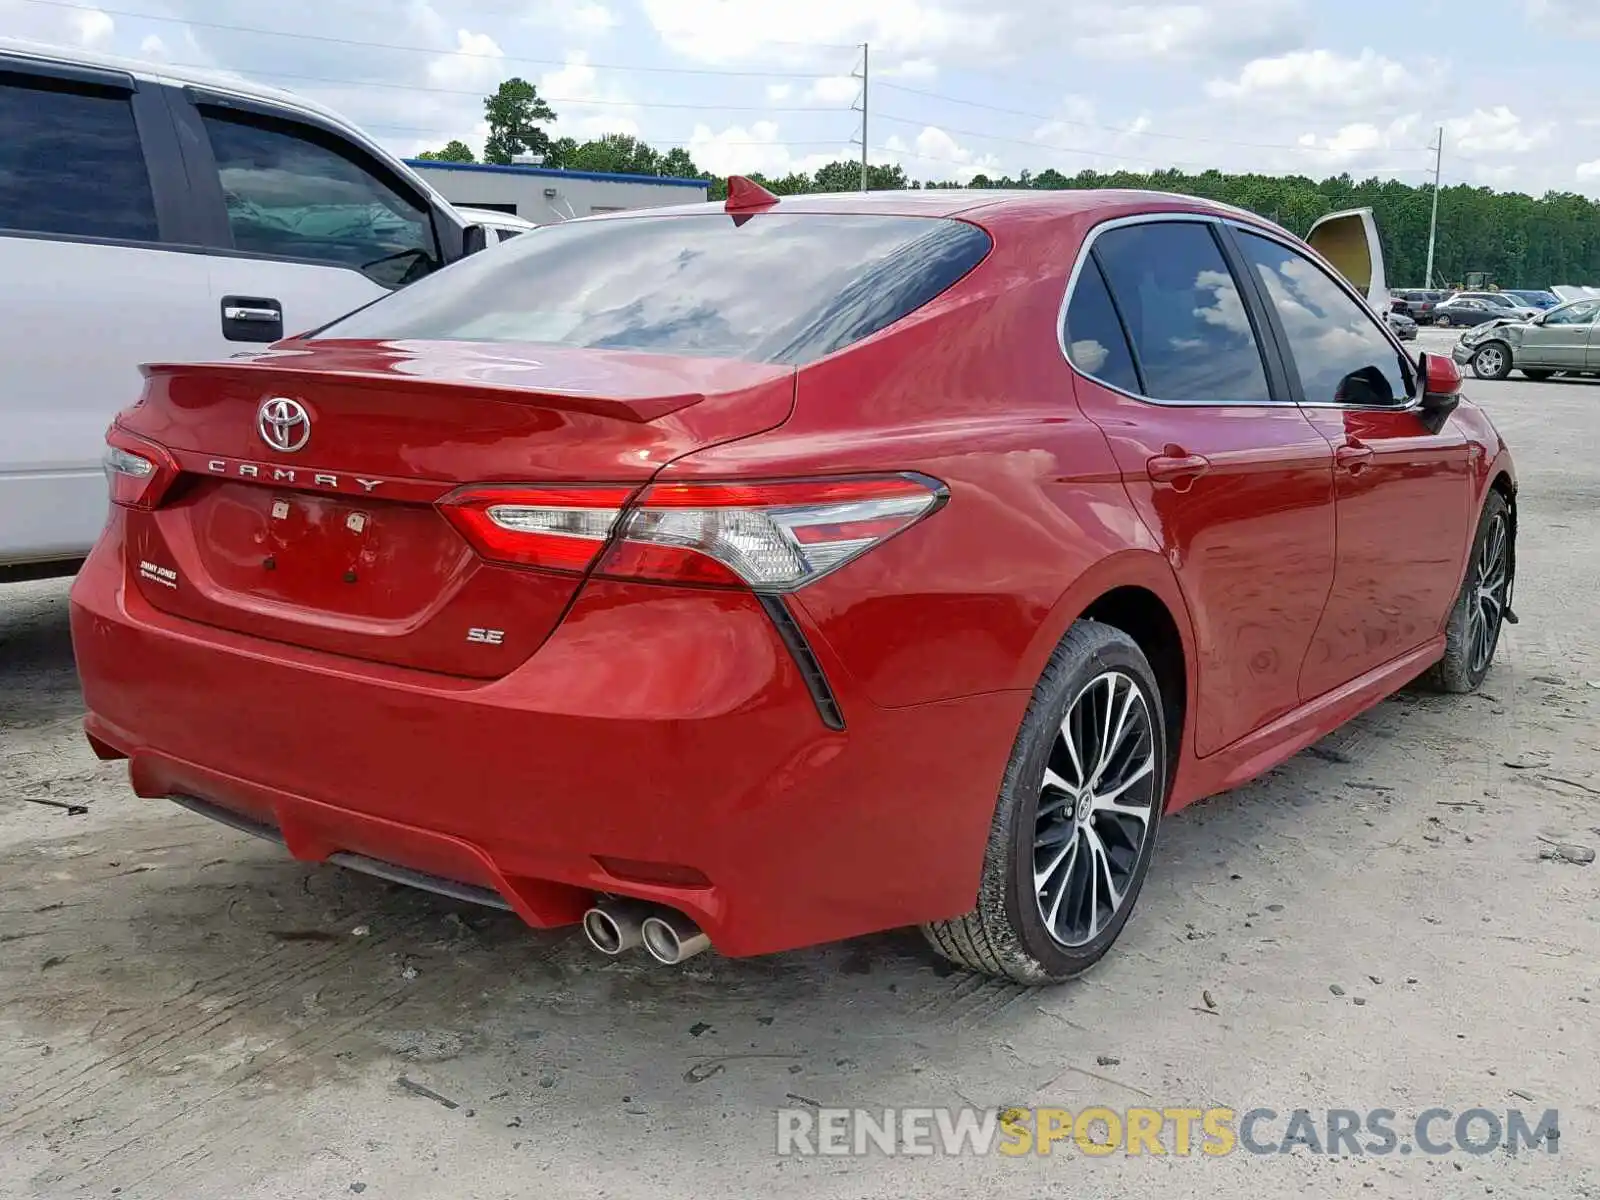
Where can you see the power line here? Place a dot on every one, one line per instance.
(433, 50)
(1121, 130)
(407, 87)
(1039, 145)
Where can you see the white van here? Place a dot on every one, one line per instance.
(153, 214)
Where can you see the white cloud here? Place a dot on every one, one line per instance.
(153, 47)
(586, 105)
(834, 90)
(934, 154)
(911, 68)
(779, 92)
(475, 63)
(1211, 29)
(732, 30)
(742, 149)
(1589, 170)
(1566, 17)
(1322, 79)
(93, 27)
(1498, 130)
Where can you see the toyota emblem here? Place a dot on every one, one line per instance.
(284, 424)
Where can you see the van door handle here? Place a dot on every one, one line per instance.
(252, 319)
(1176, 467)
(1353, 456)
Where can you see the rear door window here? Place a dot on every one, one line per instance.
(772, 287)
(71, 162)
(1192, 337)
(292, 193)
(1342, 354)
(1095, 341)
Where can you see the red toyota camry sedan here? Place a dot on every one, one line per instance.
(761, 574)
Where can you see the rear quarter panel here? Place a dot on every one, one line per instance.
(973, 391)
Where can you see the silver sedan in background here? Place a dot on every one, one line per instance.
(1564, 340)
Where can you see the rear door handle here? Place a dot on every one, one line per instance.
(1175, 466)
(1353, 457)
(251, 319)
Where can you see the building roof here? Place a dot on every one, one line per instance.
(427, 164)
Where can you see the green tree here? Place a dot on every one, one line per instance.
(455, 151)
(514, 113)
(617, 153)
(677, 163)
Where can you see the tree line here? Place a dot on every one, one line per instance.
(1518, 240)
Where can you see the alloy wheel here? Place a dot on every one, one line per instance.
(1489, 362)
(1094, 812)
(1490, 583)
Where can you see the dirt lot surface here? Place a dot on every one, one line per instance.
(1379, 923)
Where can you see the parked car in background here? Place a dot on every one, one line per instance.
(1512, 306)
(151, 213)
(1419, 303)
(1564, 340)
(1459, 310)
(500, 226)
(1404, 327)
(777, 571)
(1540, 300)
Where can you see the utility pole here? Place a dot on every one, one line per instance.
(1433, 223)
(864, 83)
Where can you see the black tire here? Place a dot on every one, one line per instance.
(1442, 322)
(1537, 374)
(1005, 934)
(1467, 658)
(1492, 360)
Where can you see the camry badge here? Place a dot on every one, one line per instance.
(284, 424)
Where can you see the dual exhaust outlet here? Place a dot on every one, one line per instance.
(615, 926)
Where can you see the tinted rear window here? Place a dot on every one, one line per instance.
(772, 288)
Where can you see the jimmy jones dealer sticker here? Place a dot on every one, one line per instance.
(165, 576)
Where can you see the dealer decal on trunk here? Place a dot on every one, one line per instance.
(165, 576)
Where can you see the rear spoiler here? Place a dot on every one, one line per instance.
(277, 375)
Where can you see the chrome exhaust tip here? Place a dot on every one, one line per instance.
(671, 937)
(613, 926)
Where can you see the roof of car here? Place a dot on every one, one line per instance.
(219, 81)
(950, 202)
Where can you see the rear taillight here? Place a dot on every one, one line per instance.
(772, 537)
(558, 528)
(138, 472)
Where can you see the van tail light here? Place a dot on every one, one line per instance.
(771, 537)
(556, 528)
(138, 471)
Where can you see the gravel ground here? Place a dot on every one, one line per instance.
(1376, 924)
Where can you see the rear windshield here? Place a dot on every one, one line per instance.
(769, 288)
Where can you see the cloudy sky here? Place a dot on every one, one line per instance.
(957, 86)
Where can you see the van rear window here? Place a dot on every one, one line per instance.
(771, 287)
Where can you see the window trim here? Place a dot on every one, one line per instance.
(1271, 356)
(1291, 367)
(154, 134)
(206, 177)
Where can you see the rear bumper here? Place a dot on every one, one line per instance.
(661, 744)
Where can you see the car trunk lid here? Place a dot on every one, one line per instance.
(337, 543)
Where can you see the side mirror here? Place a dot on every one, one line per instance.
(1441, 387)
(473, 239)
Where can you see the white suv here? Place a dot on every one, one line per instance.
(147, 215)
